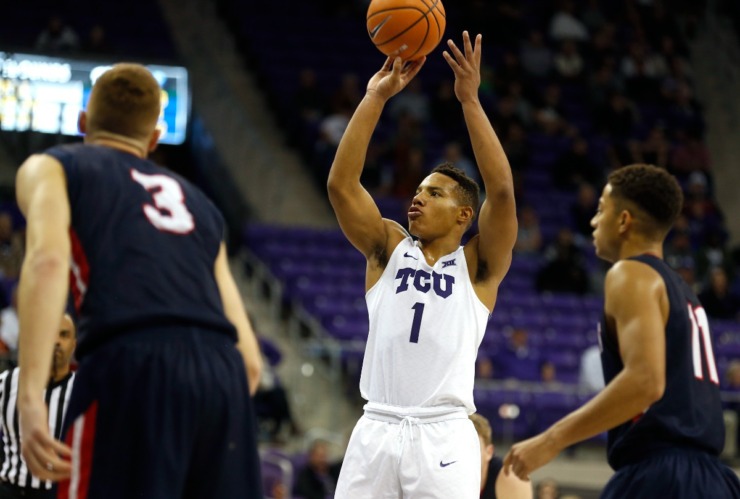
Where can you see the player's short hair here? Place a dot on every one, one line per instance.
(652, 189)
(483, 427)
(468, 190)
(125, 100)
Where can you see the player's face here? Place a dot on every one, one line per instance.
(434, 208)
(65, 344)
(605, 224)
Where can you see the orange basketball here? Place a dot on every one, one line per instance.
(408, 28)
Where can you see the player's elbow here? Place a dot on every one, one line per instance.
(46, 263)
(650, 386)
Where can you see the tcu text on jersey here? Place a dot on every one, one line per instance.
(424, 281)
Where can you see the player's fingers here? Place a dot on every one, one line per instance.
(507, 463)
(452, 62)
(456, 51)
(397, 66)
(467, 46)
(388, 64)
(478, 49)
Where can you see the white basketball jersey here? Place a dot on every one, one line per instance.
(426, 324)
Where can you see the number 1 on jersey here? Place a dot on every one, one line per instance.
(416, 324)
(700, 324)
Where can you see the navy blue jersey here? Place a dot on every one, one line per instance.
(144, 245)
(689, 414)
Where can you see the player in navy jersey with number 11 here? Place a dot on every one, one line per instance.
(161, 406)
(661, 402)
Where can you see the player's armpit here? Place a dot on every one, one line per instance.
(637, 305)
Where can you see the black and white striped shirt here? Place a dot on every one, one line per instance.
(14, 468)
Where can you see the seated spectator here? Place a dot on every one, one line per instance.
(565, 271)
(618, 118)
(11, 248)
(309, 99)
(9, 324)
(536, 56)
(547, 489)
(549, 374)
(678, 252)
(689, 154)
(568, 62)
(518, 359)
(57, 37)
(732, 388)
(590, 373)
(718, 300)
(494, 482)
(564, 25)
(653, 150)
(529, 236)
(712, 254)
(412, 101)
(484, 368)
(271, 400)
(583, 211)
(318, 478)
(97, 42)
(602, 84)
(453, 154)
(575, 167)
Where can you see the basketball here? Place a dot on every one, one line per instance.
(407, 28)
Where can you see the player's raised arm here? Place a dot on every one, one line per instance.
(356, 210)
(497, 220)
(636, 309)
(42, 196)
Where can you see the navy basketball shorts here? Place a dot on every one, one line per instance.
(674, 474)
(162, 414)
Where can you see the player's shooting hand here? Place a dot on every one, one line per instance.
(393, 77)
(530, 455)
(466, 67)
(46, 458)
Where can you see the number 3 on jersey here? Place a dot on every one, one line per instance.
(169, 212)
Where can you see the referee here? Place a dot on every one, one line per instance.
(15, 480)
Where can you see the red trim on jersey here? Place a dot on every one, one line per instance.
(79, 278)
(637, 418)
(81, 438)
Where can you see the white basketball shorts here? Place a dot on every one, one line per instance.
(411, 453)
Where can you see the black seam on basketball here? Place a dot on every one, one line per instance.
(408, 27)
(423, 39)
(434, 7)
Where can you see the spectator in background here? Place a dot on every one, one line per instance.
(536, 56)
(518, 359)
(495, 484)
(11, 248)
(547, 489)
(446, 111)
(317, 479)
(348, 94)
(582, 211)
(412, 101)
(484, 368)
(9, 324)
(718, 300)
(529, 235)
(309, 99)
(678, 252)
(575, 167)
(57, 37)
(593, 18)
(565, 271)
(713, 254)
(689, 154)
(653, 150)
(408, 174)
(732, 386)
(97, 42)
(602, 84)
(271, 400)
(548, 373)
(590, 373)
(568, 61)
(564, 25)
(618, 118)
(453, 153)
(516, 147)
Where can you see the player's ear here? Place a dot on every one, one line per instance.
(82, 122)
(489, 452)
(625, 221)
(465, 215)
(154, 140)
